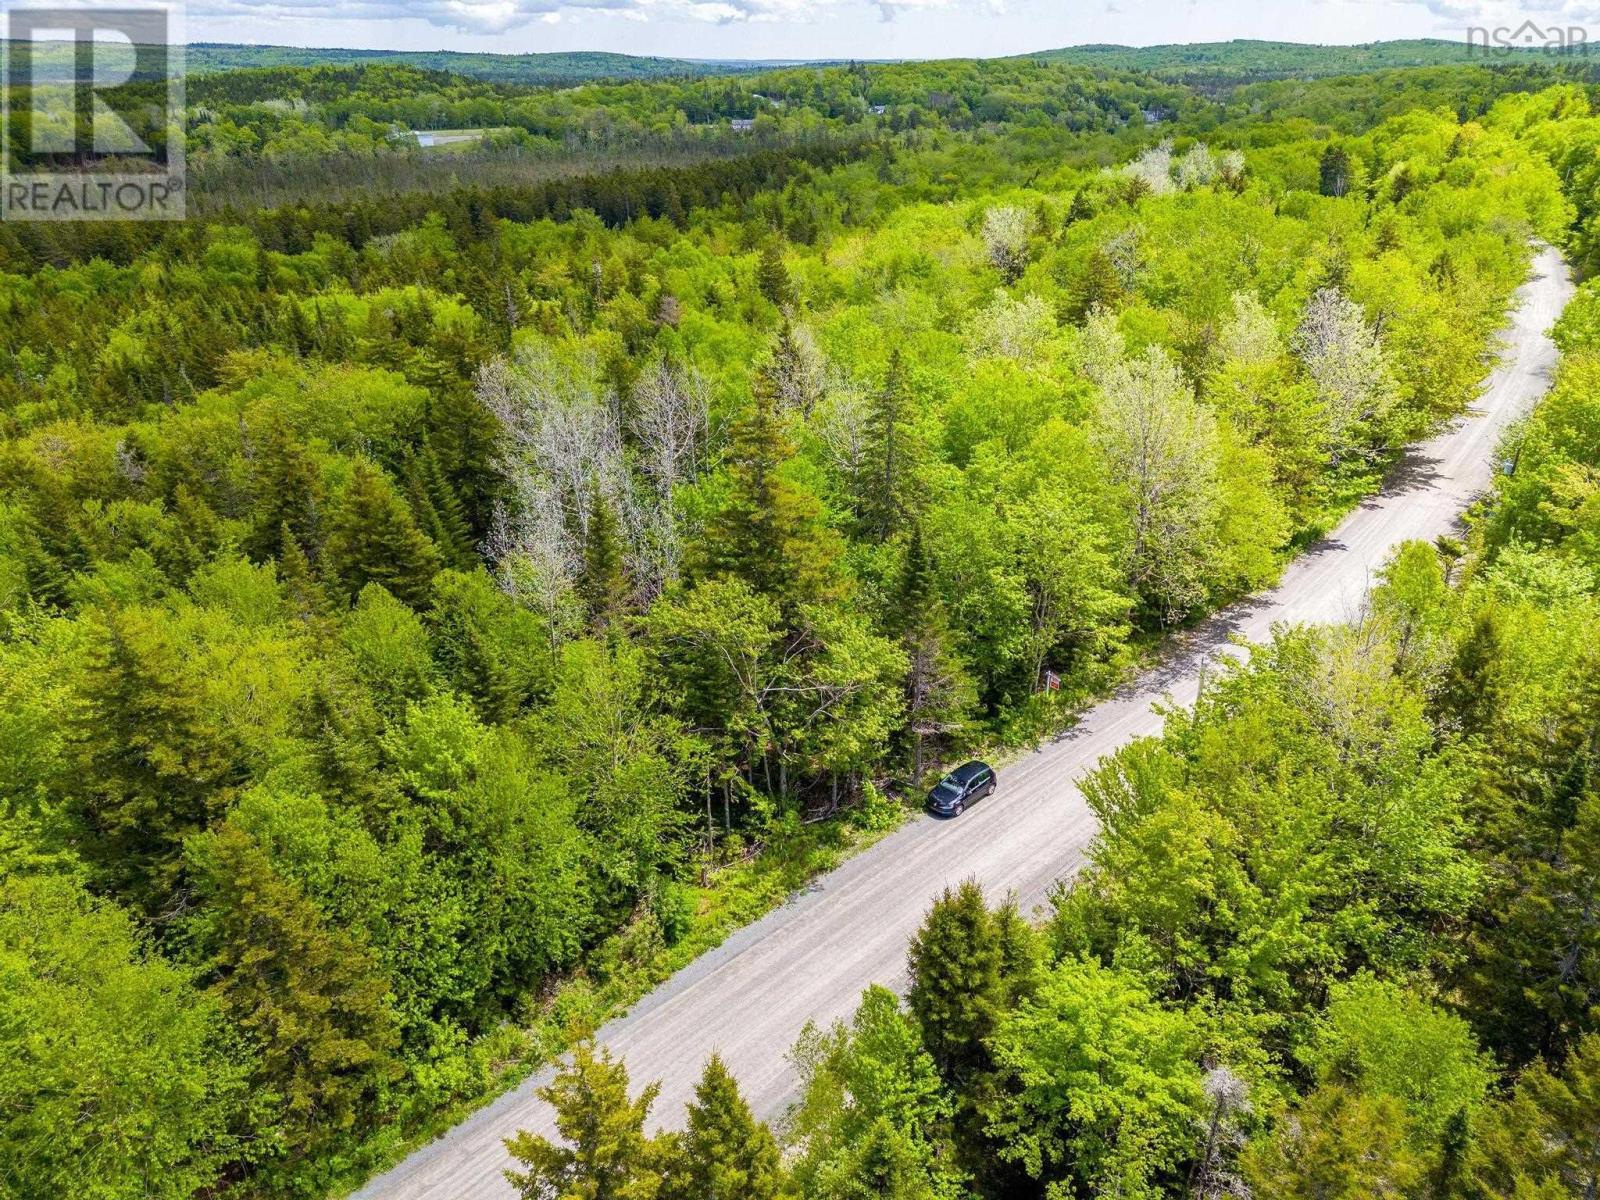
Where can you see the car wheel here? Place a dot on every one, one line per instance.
(958, 809)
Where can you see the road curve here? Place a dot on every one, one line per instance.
(810, 959)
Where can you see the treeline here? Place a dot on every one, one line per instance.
(1335, 939)
(301, 113)
(386, 610)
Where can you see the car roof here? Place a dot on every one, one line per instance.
(966, 771)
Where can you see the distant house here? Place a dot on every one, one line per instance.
(1153, 116)
(743, 124)
(879, 109)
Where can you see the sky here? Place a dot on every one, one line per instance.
(784, 29)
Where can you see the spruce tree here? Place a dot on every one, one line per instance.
(602, 583)
(155, 765)
(604, 1153)
(375, 539)
(306, 995)
(1081, 209)
(769, 531)
(1098, 287)
(308, 601)
(1545, 1139)
(889, 452)
(957, 990)
(938, 691)
(288, 492)
(439, 510)
(725, 1154)
(772, 277)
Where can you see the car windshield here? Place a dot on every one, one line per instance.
(947, 791)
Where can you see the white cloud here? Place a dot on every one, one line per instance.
(502, 16)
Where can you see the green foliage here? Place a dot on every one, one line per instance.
(1100, 1084)
(724, 1154)
(115, 1071)
(1337, 1144)
(416, 564)
(605, 1153)
(871, 1115)
(306, 998)
(957, 993)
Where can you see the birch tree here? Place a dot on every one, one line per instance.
(1160, 451)
(1006, 230)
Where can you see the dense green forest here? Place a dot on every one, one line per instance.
(1208, 64)
(414, 600)
(1337, 936)
(560, 67)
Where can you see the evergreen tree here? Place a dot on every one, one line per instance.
(725, 1154)
(602, 584)
(465, 437)
(288, 493)
(306, 996)
(306, 596)
(772, 277)
(769, 530)
(1337, 1145)
(939, 693)
(1534, 979)
(957, 992)
(1099, 286)
(192, 538)
(1545, 1140)
(1333, 171)
(1081, 209)
(155, 764)
(439, 509)
(375, 539)
(604, 1153)
(889, 452)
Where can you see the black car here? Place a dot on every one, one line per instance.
(965, 785)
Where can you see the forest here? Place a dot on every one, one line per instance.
(422, 609)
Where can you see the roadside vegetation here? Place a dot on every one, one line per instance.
(410, 602)
(1336, 938)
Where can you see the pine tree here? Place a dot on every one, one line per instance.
(193, 537)
(604, 1153)
(725, 1154)
(1338, 1145)
(375, 539)
(288, 493)
(465, 436)
(1081, 209)
(1544, 1140)
(439, 510)
(1535, 971)
(957, 991)
(307, 598)
(306, 995)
